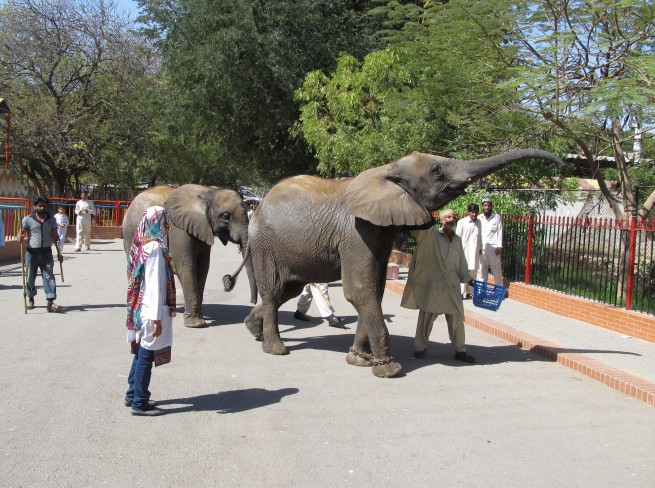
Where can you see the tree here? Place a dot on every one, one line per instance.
(69, 68)
(587, 67)
(434, 89)
(233, 67)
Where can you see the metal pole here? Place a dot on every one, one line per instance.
(528, 257)
(631, 261)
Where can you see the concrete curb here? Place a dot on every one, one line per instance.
(615, 378)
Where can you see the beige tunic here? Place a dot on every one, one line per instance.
(435, 274)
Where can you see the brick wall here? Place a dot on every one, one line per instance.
(627, 322)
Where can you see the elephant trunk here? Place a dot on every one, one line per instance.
(478, 168)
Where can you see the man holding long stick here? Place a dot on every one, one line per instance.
(41, 231)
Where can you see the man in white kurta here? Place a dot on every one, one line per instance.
(84, 212)
(433, 285)
(469, 230)
(492, 243)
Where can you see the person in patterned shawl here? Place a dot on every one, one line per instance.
(150, 308)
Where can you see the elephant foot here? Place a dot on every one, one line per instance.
(274, 346)
(256, 327)
(194, 321)
(386, 368)
(356, 358)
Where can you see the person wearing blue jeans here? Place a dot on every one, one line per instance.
(138, 395)
(40, 231)
(150, 308)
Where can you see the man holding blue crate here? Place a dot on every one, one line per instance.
(433, 285)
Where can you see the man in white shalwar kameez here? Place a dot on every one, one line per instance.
(325, 308)
(433, 285)
(470, 231)
(492, 243)
(84, 212)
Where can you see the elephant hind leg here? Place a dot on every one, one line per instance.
(272, 342)
(255, 322)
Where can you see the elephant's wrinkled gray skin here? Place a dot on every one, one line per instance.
(309, 229)
(197, 214)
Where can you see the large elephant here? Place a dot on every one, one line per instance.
(309, 229)
(197, 214)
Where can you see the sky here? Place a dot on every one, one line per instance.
(129, 6)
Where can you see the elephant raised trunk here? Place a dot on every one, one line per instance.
(479, 168)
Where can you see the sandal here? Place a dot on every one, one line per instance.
(53, 307)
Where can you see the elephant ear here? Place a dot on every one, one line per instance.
(187, 209)
(377, 197)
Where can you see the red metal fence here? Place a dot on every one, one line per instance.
(607, 260)
(13, 210)
(108, 213)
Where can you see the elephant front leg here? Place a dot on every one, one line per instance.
(360, 352)
(371, 345)
(186, 269)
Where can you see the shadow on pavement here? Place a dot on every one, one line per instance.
(95, 306)
(229, 401)
(217, 314)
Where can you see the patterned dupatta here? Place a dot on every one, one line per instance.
(153, 227)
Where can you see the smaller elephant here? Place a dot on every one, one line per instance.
(197, 214)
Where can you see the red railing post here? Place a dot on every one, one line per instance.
(117, 211)
(528, 257)
(631, 261)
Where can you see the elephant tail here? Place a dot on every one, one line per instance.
(230, 280)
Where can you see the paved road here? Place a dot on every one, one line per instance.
(240, 418)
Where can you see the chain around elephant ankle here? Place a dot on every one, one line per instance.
(380, 362)
(363, 355)
(192, 315)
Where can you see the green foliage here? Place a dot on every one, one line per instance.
(69, 70)
(233, 68)
(360, 117)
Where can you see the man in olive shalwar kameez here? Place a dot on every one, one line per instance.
(433, 285)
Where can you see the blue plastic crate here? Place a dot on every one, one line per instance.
(487, 295)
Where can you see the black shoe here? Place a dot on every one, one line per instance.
(300, 316)
(334, 321)
(151, 403)
(463, 356)
(419, 354)
(151, 412)
(30, 304)
(53, 307)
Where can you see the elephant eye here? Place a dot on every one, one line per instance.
(436, 170)
(225, 216)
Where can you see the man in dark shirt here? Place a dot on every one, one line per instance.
(40, 230)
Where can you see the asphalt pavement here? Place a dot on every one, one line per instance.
(238, 417)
